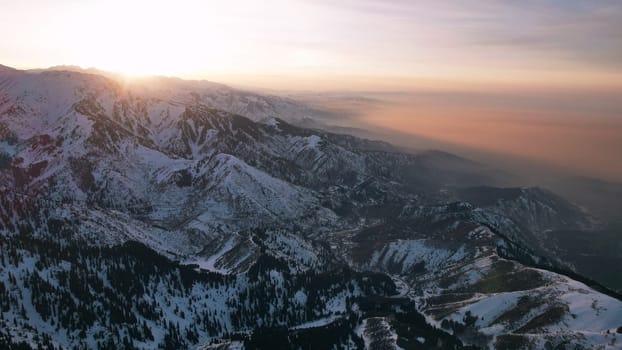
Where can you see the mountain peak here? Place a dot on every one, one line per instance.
(4, 68)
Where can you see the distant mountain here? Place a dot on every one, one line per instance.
(6, 68)
(78, 69)
(183, 214)
(252, 105)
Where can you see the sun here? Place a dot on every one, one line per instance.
(151, 38)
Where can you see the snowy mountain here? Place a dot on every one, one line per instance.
(183, 214)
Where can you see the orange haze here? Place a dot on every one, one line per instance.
(581, 133)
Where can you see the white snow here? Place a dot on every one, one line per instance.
(209, 264)
(316, 323)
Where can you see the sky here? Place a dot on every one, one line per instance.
(321, 44)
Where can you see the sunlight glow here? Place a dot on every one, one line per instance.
(145, 37)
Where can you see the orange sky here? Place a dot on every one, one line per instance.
(571, 133)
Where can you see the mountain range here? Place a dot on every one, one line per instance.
(165, 213)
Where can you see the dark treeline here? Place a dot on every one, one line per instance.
(122, 297)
